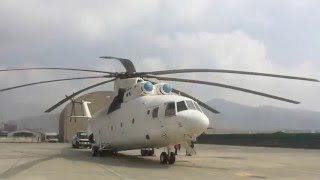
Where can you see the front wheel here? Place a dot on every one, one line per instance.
(172, 158)
(164, 158)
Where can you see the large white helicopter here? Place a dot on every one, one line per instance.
(144, 114)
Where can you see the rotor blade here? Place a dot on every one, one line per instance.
(223, 86)
(193, 98)
(76, 93)
(67, 69)
(175, 71)
(128, 65)
(55, 80)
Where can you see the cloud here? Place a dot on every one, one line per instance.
(88, 21)
(34, 100)
(238, 50)
(269, 36)
(223, 50)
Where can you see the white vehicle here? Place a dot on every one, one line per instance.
(80, 139)
(145, 114)
(51, 137)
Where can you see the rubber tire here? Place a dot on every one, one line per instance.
(144, 152)
(163, 158)
(77, 145)
(73, 146)
(110, 153)
(95, 151)
(151, 152)
(172, 158)
(104, 153)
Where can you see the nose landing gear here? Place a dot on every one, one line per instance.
(169, 157)
(172, 158)
(164, 158)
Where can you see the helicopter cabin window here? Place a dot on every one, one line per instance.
(191, 105)
(155, 112)
(181, 106)
(170, 109)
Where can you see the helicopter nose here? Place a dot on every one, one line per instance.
(194, 122)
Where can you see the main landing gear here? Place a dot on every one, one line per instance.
(169, 157)
(95, 151)
(147, 152)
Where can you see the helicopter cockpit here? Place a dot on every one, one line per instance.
(172, 108)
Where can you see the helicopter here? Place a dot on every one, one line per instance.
(143, 114)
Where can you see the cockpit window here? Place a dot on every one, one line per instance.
(191, 105)
(197, 106)
(181, 106)
(170, 109)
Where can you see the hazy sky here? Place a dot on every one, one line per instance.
(268, 36)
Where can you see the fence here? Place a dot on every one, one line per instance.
(301, 140)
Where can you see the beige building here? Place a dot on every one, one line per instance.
(68, 126)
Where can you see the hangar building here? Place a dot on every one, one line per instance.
(68, 126)
(24, 134)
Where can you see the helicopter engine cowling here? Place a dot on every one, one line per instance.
(141, 88)
(147, 87)
(163, 88)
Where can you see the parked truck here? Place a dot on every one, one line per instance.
(81, 140)
(51, 137)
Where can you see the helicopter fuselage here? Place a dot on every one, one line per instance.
(150, 121)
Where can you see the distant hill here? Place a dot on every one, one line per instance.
(241, 118)
(47, 122)
(234, 118)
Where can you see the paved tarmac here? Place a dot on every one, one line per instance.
(58, 161)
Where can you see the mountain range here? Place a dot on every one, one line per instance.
(45, 123)
(233, 118)
(236, 117)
